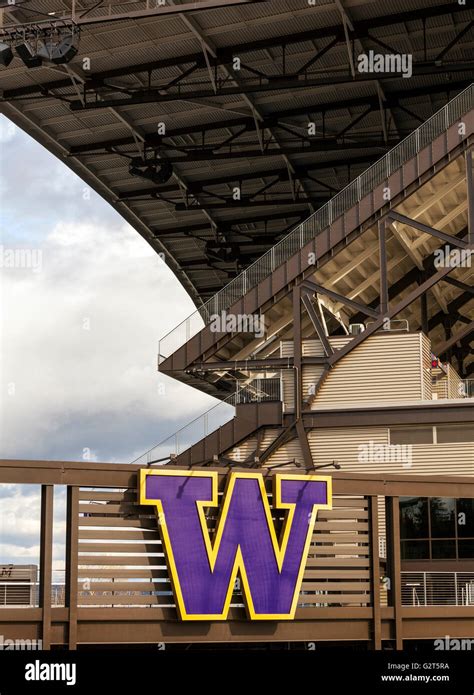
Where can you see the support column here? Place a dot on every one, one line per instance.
(470, 197)
(383, 269)
(375, 572)
(46, 562)
(424, 308)
(298, 364)
(72, 541)
(297, 349)
(394, 565)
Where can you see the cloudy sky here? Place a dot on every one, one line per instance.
(79, 331)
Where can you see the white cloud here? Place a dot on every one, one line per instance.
(79, 338)
(8, 130)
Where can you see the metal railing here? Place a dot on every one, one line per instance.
(256, 391)
(466, 388)
(418, 589)
(317, 222)
(437, 588)
(22, 592)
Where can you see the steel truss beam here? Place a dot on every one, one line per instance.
(470, 195)
(362, 29)
(317, 325)
(453, 310)
(390, 313)
(230, 203)
(284, 436)
(408, 279)
(448, 238)
(197, 187)
(226, 225)
(253, 86)
(86, 19)
(460, 285)
(465, 332)
(340, 298)
(272, 119)
(212, 154)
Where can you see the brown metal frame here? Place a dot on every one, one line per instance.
(374, 209)
(73, 626)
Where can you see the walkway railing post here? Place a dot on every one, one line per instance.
(394, 564)
(72, 555)
(375, 572)
(46, 561)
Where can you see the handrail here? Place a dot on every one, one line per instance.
(437, 588)
(257, 391)
(349, 196)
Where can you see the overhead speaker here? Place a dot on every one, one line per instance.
(6, 54)
(162, 174)
(65, 50)
(28, 55)
(165, 172)
(59, 53)
(44, 49)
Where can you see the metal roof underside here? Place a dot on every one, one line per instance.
(245, 167)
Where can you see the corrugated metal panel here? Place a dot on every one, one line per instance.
(447, 385)
(286, 348)
(287, 377)
(269, 436)
(443, 459)
(346, 445)
(339, 341)
(342, 444)
(311, 375)
(249, 446)
(426, 367)
(288, 386)
(312, 348)
(286, 453)
(245, 449)
(454, 383)
(440, 388)
(385, 367)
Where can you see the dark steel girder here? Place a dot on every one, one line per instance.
(392, 101)
(251, 86)
(410, 278)
(225, 225)
(392, 311)
(460, 285)
(317, 325)
(318, 289)
(197, 187)
(323, 145)
(230, 203)
(362, 29)
(453, 310)
(426, 229)
(465, 333)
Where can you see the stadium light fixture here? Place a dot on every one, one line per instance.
(56, 43)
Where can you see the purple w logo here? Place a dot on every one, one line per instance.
(203, 570)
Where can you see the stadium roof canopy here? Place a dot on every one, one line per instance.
(251, 113)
